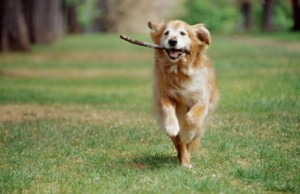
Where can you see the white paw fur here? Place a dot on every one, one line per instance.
(172, 129)
(189, 165)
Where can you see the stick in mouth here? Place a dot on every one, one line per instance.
(154, 46)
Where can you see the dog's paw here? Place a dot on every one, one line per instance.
(187, 165)
(172, 129)
(186, 162)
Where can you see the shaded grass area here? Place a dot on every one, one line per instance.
(76, 117)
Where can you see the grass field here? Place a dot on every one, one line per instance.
(76, 117)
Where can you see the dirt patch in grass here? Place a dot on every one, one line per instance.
(32, 112)
(83, 56)
(74, 74)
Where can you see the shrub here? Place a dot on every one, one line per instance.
(225, 15)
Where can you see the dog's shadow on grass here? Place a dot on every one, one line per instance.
(155, 161)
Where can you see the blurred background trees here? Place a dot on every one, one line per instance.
(296, 15)
(237, 15)
(27, 22)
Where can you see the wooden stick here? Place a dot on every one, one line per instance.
(149, 45)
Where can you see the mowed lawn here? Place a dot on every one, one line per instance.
(76, 117)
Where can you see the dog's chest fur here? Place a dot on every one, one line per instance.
(187, 85)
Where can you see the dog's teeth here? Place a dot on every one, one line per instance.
(174, 54)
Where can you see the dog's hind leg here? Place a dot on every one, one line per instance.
(182, 151)
(193, 124)
(194, 144)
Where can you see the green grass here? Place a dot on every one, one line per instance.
(76, 117)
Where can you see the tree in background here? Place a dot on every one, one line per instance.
(246, 10)
(14, 34)
(296, 15)
(88, 12)
(71, 14)
(217, 15)
(267, 15)
(273, 15)
(125, 15)
(230, 15)
(46, 20)
(27, 22)
(100, 24)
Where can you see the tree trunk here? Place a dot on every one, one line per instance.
(72, 19)
(100, 24)
(247, 15)
(13, 29)
(28, 12)
(296, 15)
(47, 21)
(23, 22)
(267, 16)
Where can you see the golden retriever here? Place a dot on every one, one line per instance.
(184, 89)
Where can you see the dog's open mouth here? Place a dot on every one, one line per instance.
(174, 53)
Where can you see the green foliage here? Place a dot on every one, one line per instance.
(71, 2)
(88, 12)
(282, 15)
(217, 15)
(225, 16)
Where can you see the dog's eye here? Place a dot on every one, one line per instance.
(166, 33)
(182, 33)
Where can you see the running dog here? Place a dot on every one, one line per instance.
(184, 88)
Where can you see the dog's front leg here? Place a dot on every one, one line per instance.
(168, 117)
(193, 123)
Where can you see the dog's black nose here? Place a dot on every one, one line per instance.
(172, 42)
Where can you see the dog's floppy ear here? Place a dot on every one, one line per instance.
(155, 27)
(202, 33)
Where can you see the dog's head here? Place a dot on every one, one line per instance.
(176, 35)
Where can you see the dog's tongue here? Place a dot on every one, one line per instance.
(173, 53)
